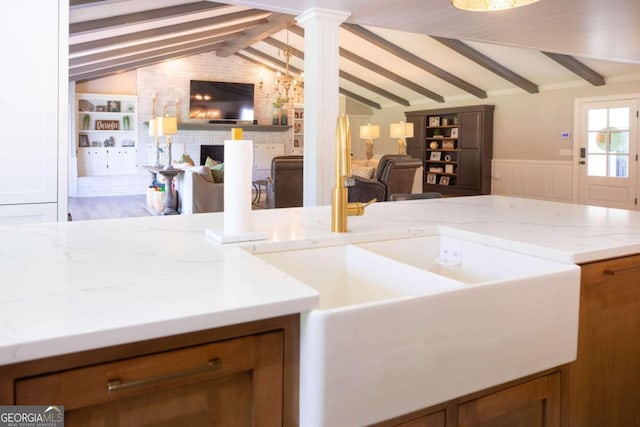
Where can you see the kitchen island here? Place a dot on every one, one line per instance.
(71, 290)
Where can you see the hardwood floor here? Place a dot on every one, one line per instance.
(84, 208)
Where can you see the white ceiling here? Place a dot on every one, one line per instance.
(587, 28)
(408, 25)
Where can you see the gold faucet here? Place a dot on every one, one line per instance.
(340, 207)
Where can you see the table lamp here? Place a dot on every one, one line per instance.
(401, 131)
(369, 132)
(167, 126)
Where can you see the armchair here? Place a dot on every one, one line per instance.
(284, 186)
(395, 174)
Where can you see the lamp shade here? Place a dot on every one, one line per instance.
(369, 131)
(401, 130)
(489, 5)
(167, 126)
(153, 127)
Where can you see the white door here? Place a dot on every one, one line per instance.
(608, 153)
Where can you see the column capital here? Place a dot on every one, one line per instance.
(316, 14)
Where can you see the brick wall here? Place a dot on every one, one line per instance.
(169, 82)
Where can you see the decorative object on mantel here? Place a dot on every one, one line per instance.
(238, 160)
(286, 87)
(167, 126)
(489, 5)
(401, 131)
(369, 132)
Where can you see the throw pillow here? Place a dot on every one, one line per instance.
(210, 163)
(203, 171)
(217, 172)
(362, 171)
(185, 158)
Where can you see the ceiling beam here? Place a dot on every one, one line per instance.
(578, 68)
(360, 99)
(344, 75)
(375, 89)
(276, 23)
(115, 66)
(184, 42)
(391, 76)
(138, 17)
(378, 41)
(345, 92)
(251, 17)
(488, 63)
(270, 59)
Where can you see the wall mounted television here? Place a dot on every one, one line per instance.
(221, 102)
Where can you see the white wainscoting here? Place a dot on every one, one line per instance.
(535, 179)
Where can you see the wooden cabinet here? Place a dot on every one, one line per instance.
(456, 146)
(538, 400)
(246, 376)
(605, 378)
(534, 403)
(106, 134)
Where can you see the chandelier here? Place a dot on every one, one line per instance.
(489, 5)
(286, 87)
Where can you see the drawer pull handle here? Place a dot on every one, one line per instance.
(609, 272)
(116, 384)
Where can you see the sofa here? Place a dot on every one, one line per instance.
(197, 192)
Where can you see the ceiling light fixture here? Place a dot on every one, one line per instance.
(286, 87)
(489, 5)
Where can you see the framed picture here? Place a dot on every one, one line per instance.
(448, 168)
(83, 140)
(101, 108)
(113, 106)
(297, 128)
(444, 180)
(435, 156)
(431, 178)
(434, 121)
(296, 143)
(296, 114)
(448, 144)
(454, 132)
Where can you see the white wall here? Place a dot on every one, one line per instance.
(526, 126)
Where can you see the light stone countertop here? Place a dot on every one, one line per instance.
(69, 287)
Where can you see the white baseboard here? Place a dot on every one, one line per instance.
(535, 179)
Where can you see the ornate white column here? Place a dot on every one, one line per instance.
(321, 99)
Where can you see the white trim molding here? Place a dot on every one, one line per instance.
(535, 179)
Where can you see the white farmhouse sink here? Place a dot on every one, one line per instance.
(404, 324)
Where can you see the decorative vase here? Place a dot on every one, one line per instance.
(433, 145)
(284, 116)
(276, 116)
(125, 122)
(86, 121)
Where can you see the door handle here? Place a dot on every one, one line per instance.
(582, 162)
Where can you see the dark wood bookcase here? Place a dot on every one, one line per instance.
(456, 147)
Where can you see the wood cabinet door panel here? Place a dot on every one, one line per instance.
(470, 133)
(533, 404)
(431, 420)
(469, 170)
(221, 402)
(89, 386)
(605, 378)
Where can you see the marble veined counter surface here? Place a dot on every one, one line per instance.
(68, 287)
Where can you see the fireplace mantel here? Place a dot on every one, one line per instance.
(227, 127)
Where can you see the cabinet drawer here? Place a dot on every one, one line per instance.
(140, 375)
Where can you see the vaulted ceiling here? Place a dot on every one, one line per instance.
(379, 65)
